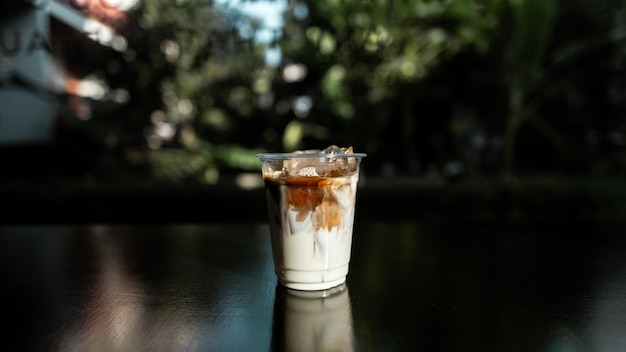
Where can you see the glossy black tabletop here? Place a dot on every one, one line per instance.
(411, 287)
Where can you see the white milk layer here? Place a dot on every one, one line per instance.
(307, 255)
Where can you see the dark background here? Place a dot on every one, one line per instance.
(471, 111)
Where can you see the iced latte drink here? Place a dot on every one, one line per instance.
(310, 199)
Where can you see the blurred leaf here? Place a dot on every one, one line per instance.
(292, 137)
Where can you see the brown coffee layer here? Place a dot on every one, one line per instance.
(306, 195)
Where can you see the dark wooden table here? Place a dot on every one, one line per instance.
(412, 287)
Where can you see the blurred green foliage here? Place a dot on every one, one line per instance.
(431, 88)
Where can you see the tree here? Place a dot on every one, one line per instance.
(364, 64)
(440, 88)
(554, 69)
(195, 75)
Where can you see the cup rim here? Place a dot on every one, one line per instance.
(276, 156)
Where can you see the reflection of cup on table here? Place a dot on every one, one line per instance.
(313, 320)
(310, 199)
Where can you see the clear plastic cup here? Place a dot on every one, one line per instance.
(311, 201)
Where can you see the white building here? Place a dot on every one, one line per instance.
(32, 74)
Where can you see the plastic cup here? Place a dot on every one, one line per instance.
(311, 203)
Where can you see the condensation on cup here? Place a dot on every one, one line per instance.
(311, 198)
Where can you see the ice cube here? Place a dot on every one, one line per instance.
(333, 149)
(294, 166)
(284, 172)
(326, 166)
(308, 171)
(339, 166)
(308, 151)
